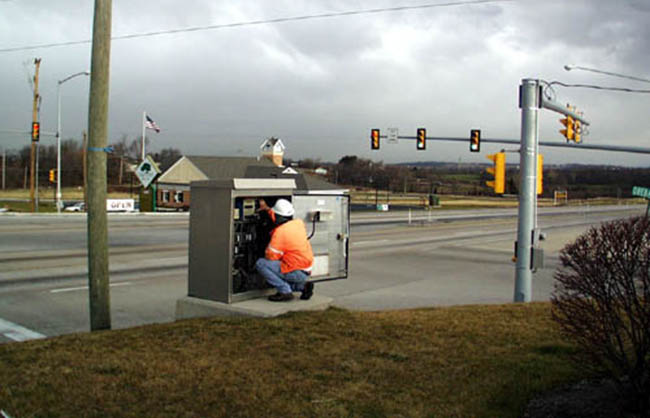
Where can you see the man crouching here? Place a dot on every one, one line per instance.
(288, 258)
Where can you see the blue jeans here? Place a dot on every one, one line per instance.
(294, 281)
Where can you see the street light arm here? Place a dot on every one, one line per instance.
(73, 76)
(593, 70)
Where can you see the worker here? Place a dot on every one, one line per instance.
(288, 258)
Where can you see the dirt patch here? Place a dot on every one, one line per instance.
(597, 398)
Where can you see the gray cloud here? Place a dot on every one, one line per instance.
(322, 84)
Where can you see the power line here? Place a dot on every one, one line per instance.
(263, 22)
(590, 86)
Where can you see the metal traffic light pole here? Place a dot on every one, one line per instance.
(529, 102)
(531, 99)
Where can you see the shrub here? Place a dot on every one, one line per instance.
(600, 300)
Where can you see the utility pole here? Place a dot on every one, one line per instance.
(98, 279)
(37, 63)
(84, 166)
(119, 176)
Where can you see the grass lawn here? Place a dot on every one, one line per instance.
(460, 361)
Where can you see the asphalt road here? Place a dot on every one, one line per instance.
(447, 259)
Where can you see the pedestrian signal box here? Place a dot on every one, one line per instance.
(229, 232)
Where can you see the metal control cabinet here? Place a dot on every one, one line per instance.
(228, 234)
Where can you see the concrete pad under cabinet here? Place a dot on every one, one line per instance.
(190, 307)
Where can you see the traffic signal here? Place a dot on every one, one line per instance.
(540, 164)
(577, 131)
(475, 140)
(568, 132)
(421, 139)
(374, 139)
(498, 170)
(52, 176)
(569, 123)
(36, 131)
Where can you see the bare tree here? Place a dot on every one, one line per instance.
(602, 301)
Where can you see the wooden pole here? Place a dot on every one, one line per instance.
(84, 166)
(98, 279)
(32, 159)
(119, 176)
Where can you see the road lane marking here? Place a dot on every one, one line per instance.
(73, 289)
(354, 244)
(17, 333)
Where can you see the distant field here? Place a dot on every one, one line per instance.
(17, 200)
(369, 197)
(67, 193)
(362, 197)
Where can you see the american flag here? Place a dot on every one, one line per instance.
(150, 124)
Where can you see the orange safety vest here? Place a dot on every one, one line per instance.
(290, 245)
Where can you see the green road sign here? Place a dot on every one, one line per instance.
(641, 192)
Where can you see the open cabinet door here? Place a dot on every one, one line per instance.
(327, 219)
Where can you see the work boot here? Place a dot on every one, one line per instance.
(281, 297)
(307, 291)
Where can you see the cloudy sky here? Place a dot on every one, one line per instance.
(321, 84)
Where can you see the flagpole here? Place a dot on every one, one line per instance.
(144, 130)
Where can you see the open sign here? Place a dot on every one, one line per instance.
(120, 205)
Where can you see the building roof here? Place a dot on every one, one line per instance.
(211, 168)
(226, 167)
(303, 181)
(272, 143)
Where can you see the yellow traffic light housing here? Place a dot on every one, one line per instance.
(577, 131)
(540, 166)
(569, 124)
(421, 139)
(52, 176)
(498, 170)
(475, 140)
(36, 131)
(374, 139)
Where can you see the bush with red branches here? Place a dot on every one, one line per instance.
(602, 301)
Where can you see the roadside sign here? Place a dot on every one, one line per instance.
(393, 133)
(147, 171)
(120, 205)
(641, 192)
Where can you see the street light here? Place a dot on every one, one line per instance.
(58, 138)
(593, 70)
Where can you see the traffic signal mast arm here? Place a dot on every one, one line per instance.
(556, 107)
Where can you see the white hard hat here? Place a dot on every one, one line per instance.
(283, 208)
